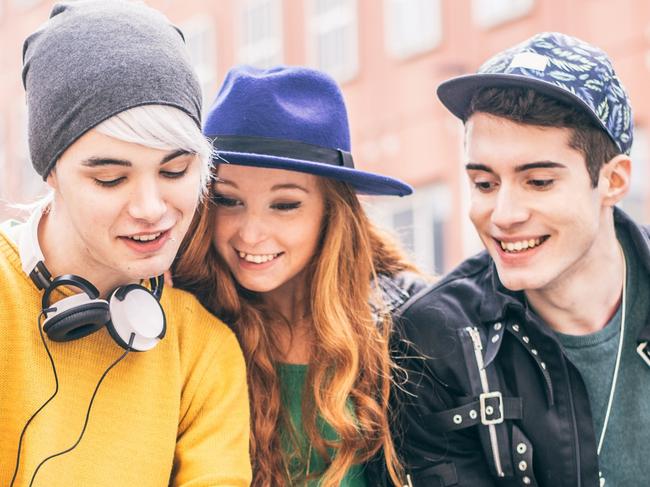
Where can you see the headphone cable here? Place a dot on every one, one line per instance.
(90, 405)
(42, 406)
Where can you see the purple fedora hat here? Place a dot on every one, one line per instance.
(290, 118)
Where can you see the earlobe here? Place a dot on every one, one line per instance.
(615, 179)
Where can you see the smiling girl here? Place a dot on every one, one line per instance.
(285, 253)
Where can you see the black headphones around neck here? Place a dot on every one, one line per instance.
(133, 312)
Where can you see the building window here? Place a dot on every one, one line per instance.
(419, 222)
(488, 13)
(29, 184)
(635, 202)
(201, 40)
(412, 26)
(261, 33)
(24, 3)
(333, 37)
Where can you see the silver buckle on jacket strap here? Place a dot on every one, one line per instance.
(641, 350)
(487, 410)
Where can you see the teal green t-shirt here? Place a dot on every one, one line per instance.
(292, 382)
(626, 448)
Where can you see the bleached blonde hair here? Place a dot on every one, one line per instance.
(161, 127)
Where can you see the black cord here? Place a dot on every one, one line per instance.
(56, 390)
(90, 405)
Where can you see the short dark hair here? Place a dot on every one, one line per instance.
(528, 106)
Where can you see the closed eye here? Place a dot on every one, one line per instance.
(541, 183)
(221, 200)
(174, 174)
(286, 206)
(109, 183)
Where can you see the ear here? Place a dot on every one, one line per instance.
(614, 179)
(52, 180)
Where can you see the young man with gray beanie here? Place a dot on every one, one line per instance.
(107, 380)
(528, 365)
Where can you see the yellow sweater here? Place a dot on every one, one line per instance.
(175, 415)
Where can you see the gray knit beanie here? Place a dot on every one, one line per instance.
(94, 59)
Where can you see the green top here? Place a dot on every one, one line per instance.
(292, 383)
(626, 447)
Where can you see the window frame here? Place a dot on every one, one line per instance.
(395, 34)
(320, 24)
(206, 68)
(486, 15)
(430, 204)
(258, 53)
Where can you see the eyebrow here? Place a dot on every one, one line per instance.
(289, 186)
(218, 180)
(275, 187)
(109, 161)
(521, 168)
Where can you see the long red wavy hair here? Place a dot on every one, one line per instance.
(350, 345)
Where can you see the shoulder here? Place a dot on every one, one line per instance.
(429, 321)
(206, 349)
(10, 266)
(461, 289)
(191, 322)
(397, 289)
(639, 233)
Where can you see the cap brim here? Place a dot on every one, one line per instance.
(363, 182)
(456, 93)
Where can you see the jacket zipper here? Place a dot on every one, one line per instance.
(574, 420)
(478, 353)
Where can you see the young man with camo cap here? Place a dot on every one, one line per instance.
(528, 364)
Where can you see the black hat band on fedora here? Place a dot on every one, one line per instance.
(290, 149)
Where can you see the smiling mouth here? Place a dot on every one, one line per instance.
(146, 238)
(258, 258)
(519, 246)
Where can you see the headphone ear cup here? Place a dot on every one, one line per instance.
(77, 320)
(135, 312)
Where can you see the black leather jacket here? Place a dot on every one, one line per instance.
(396, 291)
(490, 398)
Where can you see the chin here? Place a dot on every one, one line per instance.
(516, 281)
(257, 287)
(151, 269)
(529, 282)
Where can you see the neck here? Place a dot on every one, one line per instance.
(294, 336)
(66, 255)
(290, 299)
(585, 297)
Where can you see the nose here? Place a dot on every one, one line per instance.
(253, 229)
(147, 202)
(510, 208)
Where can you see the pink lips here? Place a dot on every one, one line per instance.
(517, 258)
(244, 264)
(149, 246)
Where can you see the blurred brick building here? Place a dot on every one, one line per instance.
(389, 56)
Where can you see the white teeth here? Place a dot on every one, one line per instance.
(257, 259)
(146, 238)
(520, 245)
